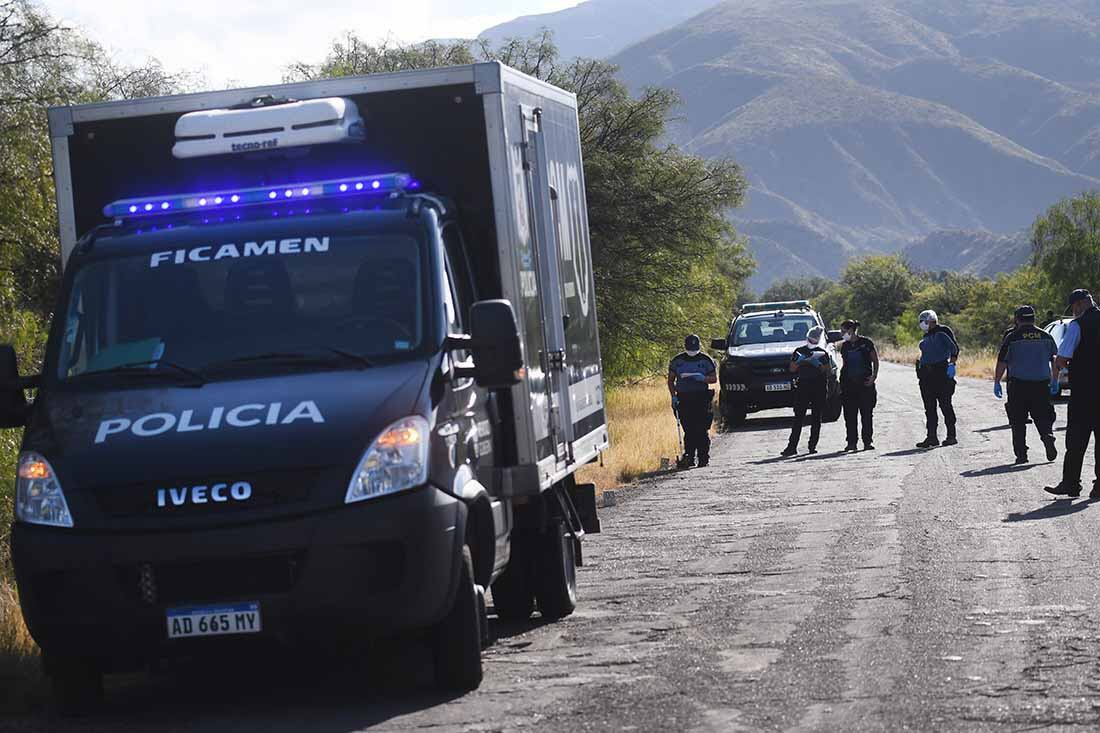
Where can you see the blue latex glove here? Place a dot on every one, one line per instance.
(951, 371)
(798, 358)
(1054, 388)
(997, 391)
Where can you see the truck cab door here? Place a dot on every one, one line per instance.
(541, 208)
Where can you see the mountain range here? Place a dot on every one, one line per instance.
(942, 127)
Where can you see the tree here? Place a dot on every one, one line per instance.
(1066, 243)
(879, 286)
(797, 288)
(665, 259)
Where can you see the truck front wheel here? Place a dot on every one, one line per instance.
(557, 578)
(456, 642)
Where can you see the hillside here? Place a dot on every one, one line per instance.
(601, 28)
(971, 252)
(864, 125)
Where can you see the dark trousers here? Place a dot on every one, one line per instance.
(936, 390)
(1084, 424)
(808, 397)
(1029, 399)
(696, 413)
(859, 402)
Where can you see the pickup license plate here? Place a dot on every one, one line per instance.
(777, 387)
(235, 618)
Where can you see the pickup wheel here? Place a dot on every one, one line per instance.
(77, 685)
(456, 642)
(513, 596)
(557, 578)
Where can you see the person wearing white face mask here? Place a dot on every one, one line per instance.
(690, 374)
(936, 372)
(811, 363)
(857, 384)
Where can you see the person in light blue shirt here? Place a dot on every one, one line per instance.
(936, 372)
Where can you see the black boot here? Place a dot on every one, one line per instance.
(950, 439)
(929, 442)
(1052, 448)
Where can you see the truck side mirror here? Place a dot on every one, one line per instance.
(13, 403)
(834, 336)
(494, 342)
(719, 344)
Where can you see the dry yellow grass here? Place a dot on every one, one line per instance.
(643, 431)
(979, 363)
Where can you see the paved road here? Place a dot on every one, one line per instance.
(893, 590)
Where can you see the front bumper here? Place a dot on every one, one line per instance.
(363, 570)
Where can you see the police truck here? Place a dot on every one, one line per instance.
(323, 366)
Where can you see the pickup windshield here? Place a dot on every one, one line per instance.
(777, 330)
(203, 308)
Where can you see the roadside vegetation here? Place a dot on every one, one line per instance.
(886, 294)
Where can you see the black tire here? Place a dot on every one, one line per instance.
(456, 643)
(513, 594)
(556, 591)
(77, 685)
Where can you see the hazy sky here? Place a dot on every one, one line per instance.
(249, 42)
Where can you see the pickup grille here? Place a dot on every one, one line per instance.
(216, 579)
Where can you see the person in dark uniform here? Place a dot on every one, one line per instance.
(811, 363)
(936, 372)
(857, 384)
(1027, 354)
(1080, 351)
(690, 374)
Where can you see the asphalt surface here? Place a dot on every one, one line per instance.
(891, 590)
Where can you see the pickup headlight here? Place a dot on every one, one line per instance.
(38, 495)
(396, 461)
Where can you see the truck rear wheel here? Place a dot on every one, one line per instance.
(513, 596)
(77, 685)
(556, 588)
(456, 642)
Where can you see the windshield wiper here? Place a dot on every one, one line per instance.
(142, 368)
(294, 357)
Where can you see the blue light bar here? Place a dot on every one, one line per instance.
(386, 183)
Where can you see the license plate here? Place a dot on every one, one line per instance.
(778, 387)
(236, 618)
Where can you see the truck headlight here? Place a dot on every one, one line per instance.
(396, 461)
(38, 495)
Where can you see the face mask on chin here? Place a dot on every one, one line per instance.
(811, 343)
(846, 336)
(924, 325)
(693, 353)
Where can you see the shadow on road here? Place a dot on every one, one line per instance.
(907, 452)
(277, 690)
(823, 456)
(993, 429)
(997, 470)
(1057, 508)
(758, 424)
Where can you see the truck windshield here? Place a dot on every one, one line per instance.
(272, 303)
(777, 330)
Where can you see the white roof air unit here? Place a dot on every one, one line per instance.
(226, 131)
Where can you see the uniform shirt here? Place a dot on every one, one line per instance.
(857, 359)
(682, 364)
(809, 369)
(1027, 351)
(1070, 339)
(937, 347)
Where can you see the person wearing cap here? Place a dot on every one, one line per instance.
(690, 374)
(1027, 355)
(936, 373)
(857, 384)
(811, 363)
(1080, 352)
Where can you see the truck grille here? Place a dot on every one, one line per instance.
(268, 490)
(216, 579)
